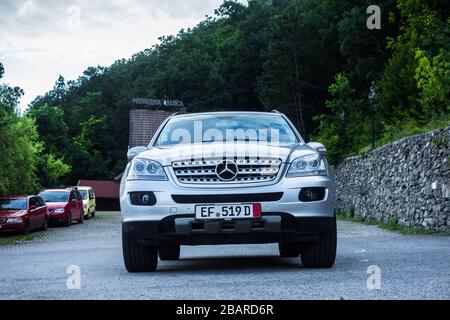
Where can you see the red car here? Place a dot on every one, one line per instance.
(64, 205)
(22, 214)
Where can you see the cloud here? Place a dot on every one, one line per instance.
(25, 9)
(41, 39)
(74, 17)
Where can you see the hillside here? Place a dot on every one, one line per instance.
(314, 61)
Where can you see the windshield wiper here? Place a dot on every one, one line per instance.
(246, 140)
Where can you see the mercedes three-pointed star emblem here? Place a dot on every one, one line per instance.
(227, 170)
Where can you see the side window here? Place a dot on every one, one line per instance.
(79, 197)
(34, 202)
(72, 196)
(91, 193)
(41, 201)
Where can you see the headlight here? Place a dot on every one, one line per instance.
(143, 169)
(14, 220)
(310, 165)
(59, 210)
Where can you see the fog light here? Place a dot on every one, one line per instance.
(143, 198)
(311, 194)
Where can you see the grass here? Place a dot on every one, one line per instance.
(391, 225)
(14, 239)
(20, 238)
(403, 130)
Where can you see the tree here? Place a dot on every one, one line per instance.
(342, 131)
(51, 127)
(433, 82)
(87, 161)
(302, 41)
(51, 170)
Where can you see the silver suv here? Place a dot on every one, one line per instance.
(227, 178)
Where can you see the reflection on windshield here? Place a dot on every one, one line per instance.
(55, 196)
(13, 204)
(83, 194)
(262, 128)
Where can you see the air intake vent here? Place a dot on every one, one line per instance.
(228, 198)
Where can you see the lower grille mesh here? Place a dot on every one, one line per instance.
(227, 198)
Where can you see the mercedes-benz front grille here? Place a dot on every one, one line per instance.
(229, 170)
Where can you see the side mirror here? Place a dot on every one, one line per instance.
(73, 202)
(320, 148)
(133, 152)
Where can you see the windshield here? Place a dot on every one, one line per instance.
(264, 128)
(13, 204)
(83, 194)
(55, 196)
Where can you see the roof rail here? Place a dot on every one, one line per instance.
(174, 114)
(276, 111)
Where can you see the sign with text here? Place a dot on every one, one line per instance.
(158, 102)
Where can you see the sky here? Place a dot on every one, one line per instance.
(41, 39)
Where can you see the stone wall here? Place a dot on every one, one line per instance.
(408, 180)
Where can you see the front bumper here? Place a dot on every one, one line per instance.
(270, 228)
(283, 219)
(56, 218)
(289, 203)
(6, 228)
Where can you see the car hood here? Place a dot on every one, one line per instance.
(166, 155)
(11, 213)
(55, 205)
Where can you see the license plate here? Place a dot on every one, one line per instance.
(228, 211)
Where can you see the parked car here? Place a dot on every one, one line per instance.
(64, 205)
(261, 184)
(88, 195)
(22, 214)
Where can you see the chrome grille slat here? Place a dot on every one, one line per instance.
(250, 170)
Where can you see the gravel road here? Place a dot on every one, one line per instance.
(411, 267)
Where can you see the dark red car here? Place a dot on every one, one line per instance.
(64, 205)
(22, 214)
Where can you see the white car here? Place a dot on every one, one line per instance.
(227, 178)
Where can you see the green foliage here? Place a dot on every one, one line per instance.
(25, 162)
(51, 170)
(9, 240)
(398, 94)
(342, 131)
(309, 59)
(397, 131)
(413, 88)
(89, 161)
(19, 157)
(18, 144)
(433, 81)
(51, 127)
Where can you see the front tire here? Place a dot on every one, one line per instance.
(169, 253)
(138, 258)
(26, 227)
(45, 224)
(289, 250)
(321, 254)
(69, 220)
(81, 220)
